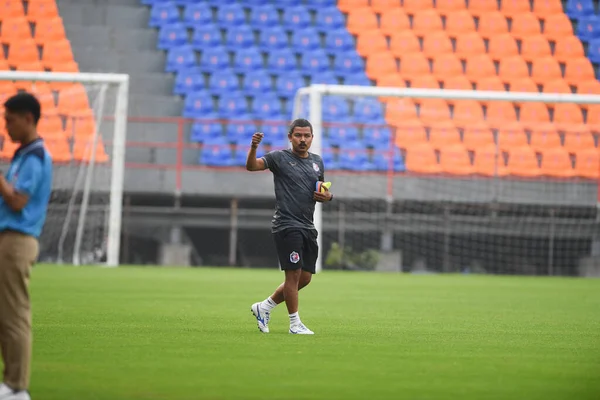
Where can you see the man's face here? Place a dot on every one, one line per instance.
(17, 124)
(301, 138)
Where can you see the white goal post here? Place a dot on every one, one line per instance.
(120, 84)
(308, 103)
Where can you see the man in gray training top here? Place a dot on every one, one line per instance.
(296, 173)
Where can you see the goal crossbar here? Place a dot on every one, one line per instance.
(121, 81)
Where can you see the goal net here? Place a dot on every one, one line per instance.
(83, 125)
(430, 180)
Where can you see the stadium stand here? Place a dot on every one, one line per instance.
(34, 39)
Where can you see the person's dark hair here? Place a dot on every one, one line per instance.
(300, 123)
(24, 103)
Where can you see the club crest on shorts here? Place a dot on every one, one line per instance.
(294, 257)
(316, 167)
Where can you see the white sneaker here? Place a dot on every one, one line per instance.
(300, 329)
(6, 393)
(262, 317)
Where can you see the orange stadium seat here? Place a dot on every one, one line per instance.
(513, 67)
(556, 86)
(535, 46)
(421, 158)
(50, 125)
(380, 64)
(500, 113)
(578, 70)
(370, 42)
(522, 161)
(14, 29)
(349, 5)
(72, 99)
(448, 6)
(383, 6)
(80, 126)
(443, 133)
(426, 21)
(480, 66)
(557, 26)
(491, 24)
(435, 43)
(469, 44)
(459, 22)
(412, 65)
(544, 8)
(57, 52)
(557, 162)
(413, 6)
(361, 20)
(391, 80)
(459, 82)
(34, 65)
(466, 112)
(49, 29)
(511, 135)
(395, 20)
(11, 9)
(568, 48)
(591, 86)
(512, 8)
(82, 150)
(399, 109)
(4, 64)
(576, 141)
(481, 7)
(477, 135)
(502, 45)
(424, 82)
(532, 114)
(22, 51)
(523, 85)
(489, 161)
(446, 65)
(41, 9)
(587, 164)
(455, 160)
(58, 148)
(566, 115)
(405, 42)
(433, 110)
(524, 25)
(545, 69)
(410, 133)
(544, 136)
(490, 83)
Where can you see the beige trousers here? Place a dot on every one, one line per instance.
(18, 252)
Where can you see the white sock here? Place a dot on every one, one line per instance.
(268, 304)
(294, 318)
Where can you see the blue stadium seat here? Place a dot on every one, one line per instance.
(295, 17)
(183, 2)
(206, 36)
(216, 3)
(273, 38)
(214, 59)
(275, 130)
(338, 41)
(359, 79)
(264, 16)
(354, 158)
(163, 14)
(197, 14)
(206, 131)
(257, 82)
(325, 78)
(377, 137)
(229, 15)
(266, 107)
(240, 133)
(579, 8)
(349, 63)
(223, 82)
(180, 58)
(305, 40)
(247, 60)
(588, 28)
(329, 19)
(197, 105)
(233, 106)
(288, 83)
(281, 61)
(319, 5)
(188, 81)
(283, 4)
(216, 153)
(342, 135)
(314, 62)
(172, 35)
(239, 37)
(335, 109)
(368, 111)
(382, 161)
(594, 50)
(278, 140)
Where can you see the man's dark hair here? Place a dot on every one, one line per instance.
(300, 123)
(24, 103)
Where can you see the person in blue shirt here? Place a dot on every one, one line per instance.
(24, 195)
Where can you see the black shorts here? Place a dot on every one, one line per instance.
(297, 248)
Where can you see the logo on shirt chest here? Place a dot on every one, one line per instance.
(316, 167)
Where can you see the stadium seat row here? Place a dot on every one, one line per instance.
(37, 10)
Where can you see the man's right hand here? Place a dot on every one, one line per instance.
(257, 138)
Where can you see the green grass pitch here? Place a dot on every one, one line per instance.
(165, 333)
